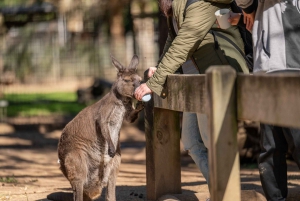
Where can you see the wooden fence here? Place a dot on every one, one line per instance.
(225, 97)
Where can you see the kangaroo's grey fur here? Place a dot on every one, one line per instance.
(89, 147)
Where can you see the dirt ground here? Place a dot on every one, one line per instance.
(29, 169)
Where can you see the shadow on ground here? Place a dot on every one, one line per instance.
(28, 160)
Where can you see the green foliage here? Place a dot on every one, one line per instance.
(11, 179)
(12, 2)
(42, 104)
(154, 5)
(249, 165)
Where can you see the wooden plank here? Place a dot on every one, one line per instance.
(269, 98)
(162, 151)
(223, 150)
(184, 93)
(166, 141)
(150, 163)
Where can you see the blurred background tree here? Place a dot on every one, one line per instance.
(65, 45)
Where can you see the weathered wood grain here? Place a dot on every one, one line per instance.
(185, 93)
(166, 152)
(225, 97)
(269, 98)
(162, 129)
(223, 151)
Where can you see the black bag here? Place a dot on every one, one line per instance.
(245, 35)
(247, 38)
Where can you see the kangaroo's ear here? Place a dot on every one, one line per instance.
(117, 64)
(134, 62)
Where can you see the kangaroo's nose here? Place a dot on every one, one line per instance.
(137, 82)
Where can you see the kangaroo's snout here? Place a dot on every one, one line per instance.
(137, 82)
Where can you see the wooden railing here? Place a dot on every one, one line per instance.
(225, 97)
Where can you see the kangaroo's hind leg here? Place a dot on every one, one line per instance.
(77, 187)
(75, 171)
(112, 178)
(93, 189)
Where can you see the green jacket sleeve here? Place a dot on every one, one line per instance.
(198, 21)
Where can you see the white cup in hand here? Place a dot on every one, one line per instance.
(222, 16)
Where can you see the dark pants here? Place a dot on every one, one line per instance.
(275, 143)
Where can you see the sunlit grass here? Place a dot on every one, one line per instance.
(42, 104)
(68, 96)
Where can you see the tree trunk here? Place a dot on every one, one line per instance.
(117, 27)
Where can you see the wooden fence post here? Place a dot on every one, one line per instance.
(223, 151)
(163, 169)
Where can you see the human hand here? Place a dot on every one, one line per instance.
(142, 90)
(249, 20)
(151, 71)
(234, 18)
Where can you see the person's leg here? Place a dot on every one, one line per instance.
(192, 142)
(293, 139)
(202, 125)
(272, 163)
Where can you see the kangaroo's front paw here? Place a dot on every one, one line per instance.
(111, 152)
(140, 106)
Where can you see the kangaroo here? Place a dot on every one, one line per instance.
(89, 147)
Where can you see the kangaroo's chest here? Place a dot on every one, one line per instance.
(116, 117)
(115, 120)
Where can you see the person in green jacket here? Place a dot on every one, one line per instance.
(194, 40)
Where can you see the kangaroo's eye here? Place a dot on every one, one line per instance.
(127, 80)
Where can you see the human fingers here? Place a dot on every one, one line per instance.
(249, 24)
(249, 17)
(217, 23)
(137, 93)
(246, 20)
(234, 18)
(142, 90)
(151, 71)
(252, 21)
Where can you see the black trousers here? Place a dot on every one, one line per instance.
(275, 143)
